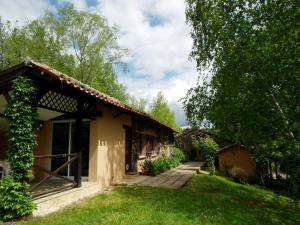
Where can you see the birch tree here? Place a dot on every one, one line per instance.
(252, 51)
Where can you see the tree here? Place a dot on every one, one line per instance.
(209, 148)
(161, 111)
(80, 44)
(252, 50)
(138, 104)
(3, 45)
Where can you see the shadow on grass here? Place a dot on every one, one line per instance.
(217, 200)
(204, 200)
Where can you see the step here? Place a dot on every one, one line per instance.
(55, 202)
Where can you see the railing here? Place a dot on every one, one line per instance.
(70, 159)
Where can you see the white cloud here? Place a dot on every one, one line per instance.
(155, 50)
(79, 4)
(21, 11)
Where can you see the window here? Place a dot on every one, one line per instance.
(146, 144)
(150, 145)
(138, 142)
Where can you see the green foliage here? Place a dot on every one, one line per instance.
(156, 166)
(21, 113)
(177, 154)
(164, 163)
(78, 43)
(209, 148)
(162, 112)
(138, 104)
(251, 96)
(15, 202)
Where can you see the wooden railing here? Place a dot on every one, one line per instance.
(73, 183)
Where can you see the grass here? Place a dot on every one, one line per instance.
(204, 200)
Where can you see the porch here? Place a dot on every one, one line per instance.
(61, 157)
(56, 201)
(81, 132)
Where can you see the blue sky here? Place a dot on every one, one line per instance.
(155, 33)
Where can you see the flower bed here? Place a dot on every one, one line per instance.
(164, 163)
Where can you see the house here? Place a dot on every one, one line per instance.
(184, 140)
(236, 155)
(229, 154)
(82, 134)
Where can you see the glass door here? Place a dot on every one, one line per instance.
(60, 145)
(85, 141)
(63, 142)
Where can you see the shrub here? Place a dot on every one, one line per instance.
(156, 166)
(15, 201)
(238, 175)
(164, 163)
(148, 166)
(177, 154)
(209, 148)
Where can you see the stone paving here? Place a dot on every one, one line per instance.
(174, 179)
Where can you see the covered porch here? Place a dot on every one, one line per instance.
(61, 157)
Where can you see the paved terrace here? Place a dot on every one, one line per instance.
(174, 179)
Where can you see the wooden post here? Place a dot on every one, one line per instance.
(78, 144)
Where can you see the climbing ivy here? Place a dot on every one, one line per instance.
(21, 114)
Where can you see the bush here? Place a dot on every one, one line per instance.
(156, 166)
(15, 201)
(238, 175)
(210, 148)
(164, 163)
(177, 154)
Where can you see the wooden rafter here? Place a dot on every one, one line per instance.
(84, 115)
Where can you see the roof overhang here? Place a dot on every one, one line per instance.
(49, 79)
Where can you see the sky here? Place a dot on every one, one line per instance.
(154, 32)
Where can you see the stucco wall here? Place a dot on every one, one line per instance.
(107, 147)
(3, 145)
(239, 157)
(43, 148)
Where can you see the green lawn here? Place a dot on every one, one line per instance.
(204, 200)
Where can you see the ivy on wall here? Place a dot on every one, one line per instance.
(21, 114)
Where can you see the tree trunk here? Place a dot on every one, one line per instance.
(276, 170)
(286, 121)
(270, 169)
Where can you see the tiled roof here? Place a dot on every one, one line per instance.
(228, 147)
(55, 74)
